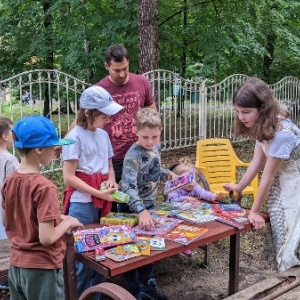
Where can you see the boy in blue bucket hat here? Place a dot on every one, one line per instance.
(31, 215)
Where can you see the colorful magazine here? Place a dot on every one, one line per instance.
(185, 234)
(163, 225)
(107, 236)
(111, 253)
(186, 204)
(194, 215)
(179, 181)
(228, 206)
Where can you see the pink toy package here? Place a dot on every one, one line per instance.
(107, 236)
(179, 181)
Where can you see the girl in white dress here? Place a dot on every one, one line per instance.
(277, 152)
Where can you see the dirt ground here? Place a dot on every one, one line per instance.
(187, 278)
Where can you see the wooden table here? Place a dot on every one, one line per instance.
(109, 268)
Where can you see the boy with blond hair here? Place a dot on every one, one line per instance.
(31, 215)
(142, 173)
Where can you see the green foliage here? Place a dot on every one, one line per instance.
(225, 37)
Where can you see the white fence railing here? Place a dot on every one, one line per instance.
(190, 110)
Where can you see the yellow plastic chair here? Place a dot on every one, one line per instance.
(218, 162)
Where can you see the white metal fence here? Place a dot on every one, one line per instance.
(190, 110)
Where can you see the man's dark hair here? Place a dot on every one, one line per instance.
(116, 53)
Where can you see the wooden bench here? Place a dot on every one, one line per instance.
(282, 286)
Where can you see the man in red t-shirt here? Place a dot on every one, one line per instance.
(130, 90)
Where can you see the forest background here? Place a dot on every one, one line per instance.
(209, 39)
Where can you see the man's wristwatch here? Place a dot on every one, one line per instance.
(139, 208)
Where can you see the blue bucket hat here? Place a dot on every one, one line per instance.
(37, 132)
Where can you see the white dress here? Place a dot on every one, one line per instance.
(284, 210)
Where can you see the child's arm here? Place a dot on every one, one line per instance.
(176, 196)
(69, 169)
(49, 234)
(199, 192)
(11, 165)
(3, 217)
(111, 182)
(167, 174)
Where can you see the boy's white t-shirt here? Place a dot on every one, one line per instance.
(8, 163)
(92, 150)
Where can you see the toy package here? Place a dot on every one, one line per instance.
(116, 235)
(99, 254)
(155, 243)
(128, 249)
(179, 181)
(120, 219)
(108, 236)
(117, 195)
(87, 240)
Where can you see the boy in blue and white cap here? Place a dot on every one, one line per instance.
(87, 164)
(31, 215)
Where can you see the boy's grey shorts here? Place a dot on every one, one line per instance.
(36, 284)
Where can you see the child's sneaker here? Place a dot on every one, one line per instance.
(151, 292)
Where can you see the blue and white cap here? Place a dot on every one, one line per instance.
(96, 97)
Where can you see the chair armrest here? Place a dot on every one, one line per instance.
(242, 164)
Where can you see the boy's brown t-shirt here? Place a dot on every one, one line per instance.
(29, 199)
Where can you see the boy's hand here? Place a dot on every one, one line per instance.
(217, 197)
(146, 221)
(172, 176)
(72, 222)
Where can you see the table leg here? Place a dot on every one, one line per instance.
(234, 263)
(70, 270)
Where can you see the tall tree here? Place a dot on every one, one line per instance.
(148, 35)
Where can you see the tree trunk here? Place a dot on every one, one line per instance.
(49, 59)
(148, 35)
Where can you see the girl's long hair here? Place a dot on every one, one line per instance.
(255, 93)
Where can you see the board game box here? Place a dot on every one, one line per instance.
(120, 219)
